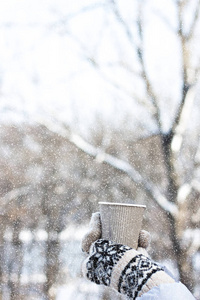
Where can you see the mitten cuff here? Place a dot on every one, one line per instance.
(136, 274)
(120, 266)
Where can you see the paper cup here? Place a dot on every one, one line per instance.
(121, 223)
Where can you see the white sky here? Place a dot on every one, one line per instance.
(43, 71)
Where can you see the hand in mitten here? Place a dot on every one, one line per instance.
(94, 233)
(120, 267)
(123, 269)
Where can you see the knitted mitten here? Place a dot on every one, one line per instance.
(94, 232)
(123, 269)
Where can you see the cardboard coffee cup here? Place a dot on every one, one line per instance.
(121, 223)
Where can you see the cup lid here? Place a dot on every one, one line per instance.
(122, 204)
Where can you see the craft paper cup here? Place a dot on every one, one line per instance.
(121, 223)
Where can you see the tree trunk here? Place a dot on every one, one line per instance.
(177, 225)
(52, 266)
(16, 263)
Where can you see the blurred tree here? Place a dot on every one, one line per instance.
(165, 100)
(45, 183)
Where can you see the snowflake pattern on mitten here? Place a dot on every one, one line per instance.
(135, 275)
(104, 256)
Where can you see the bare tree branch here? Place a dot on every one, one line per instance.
(185, 66)
(91, 59)
(129, 68)
(184, 191)
(190, 33)
(188, 89)
(180, 109)
(180, 122)
(148, 85)
(139, 51)
(196, 217)
(197, 71)
(64, 19)
(191, 237)
(183, 46)
(116, 163)
(161, 15)
(124, 24)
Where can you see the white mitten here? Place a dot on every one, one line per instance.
(94, 232)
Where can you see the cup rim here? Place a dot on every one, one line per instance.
(122, 204)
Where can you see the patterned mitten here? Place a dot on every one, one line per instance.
(123, 269)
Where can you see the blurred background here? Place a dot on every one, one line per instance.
(99, 101)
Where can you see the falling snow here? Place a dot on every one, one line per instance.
(99, 102)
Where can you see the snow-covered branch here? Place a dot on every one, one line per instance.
(194, 21)
(119, 164)
(183, 193)
(196, 185)
(196, 216)
(191, 238)
(182, 117)
(12, 195)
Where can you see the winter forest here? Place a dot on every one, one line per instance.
(99, 101)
